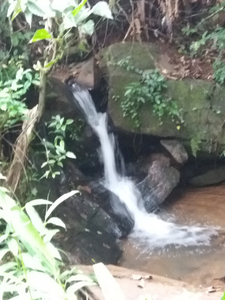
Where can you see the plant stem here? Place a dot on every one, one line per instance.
(42, 92)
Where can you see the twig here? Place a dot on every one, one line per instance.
(21, 148)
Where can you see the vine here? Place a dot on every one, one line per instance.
(149, 89)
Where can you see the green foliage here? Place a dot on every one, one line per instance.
(31, 266)
(223, 298)
(209, 37)
(12, 93)
(75, 129)
(12, 43)
(214, 40)
(148, 90)
(56, 152)
(219, 71)
(195, 145)
(67, 15)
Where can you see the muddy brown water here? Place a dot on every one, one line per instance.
(196, 265)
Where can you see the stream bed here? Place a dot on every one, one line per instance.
(201, 265)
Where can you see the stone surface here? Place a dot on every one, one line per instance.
(201, 102)
(59, 101)
(160, 181)
(91, 234)
(85, 73)
(176, 149)
(214, 176)
(95, 200)
(112, 205)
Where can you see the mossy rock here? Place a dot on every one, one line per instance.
(202, 103)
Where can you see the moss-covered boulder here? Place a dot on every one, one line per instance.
(202, 103)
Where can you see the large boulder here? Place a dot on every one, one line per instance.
(176, 149)
(81, 140)
(214, 176)
(201, 102)
(161, 179)
(96, 200)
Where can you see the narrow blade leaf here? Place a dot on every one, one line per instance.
(59, 201)
(78, 8)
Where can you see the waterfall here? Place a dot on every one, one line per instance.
(148, 226)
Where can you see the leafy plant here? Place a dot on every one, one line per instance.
(75, 129)
(149, 89)
(56, 152)
(195, 145)
(219, 71)
(208, 34)
(32, 267)
(59, 18)
(12, 92)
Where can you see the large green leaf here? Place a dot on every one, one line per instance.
(41, 34)
(87, 28)
(11, 8)
(28, 16)
(35, 219)
(13, 246)
(41, 8)
(68, 21)
(26, 232)
(17, 10)
(61, 6)
(43, 282)
(102, 9)
(32, 262)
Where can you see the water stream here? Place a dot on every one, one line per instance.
(148, 227)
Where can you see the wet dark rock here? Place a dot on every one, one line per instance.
(160, 181)
(111, 204)
(97, 194)
(90, 247)
(90, 214)
(210, 177)
(85, 73)
(91, 234)
(59, 101)
(176, 149)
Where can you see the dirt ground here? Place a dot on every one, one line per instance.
(135, 286)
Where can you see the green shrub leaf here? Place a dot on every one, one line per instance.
(41, 34)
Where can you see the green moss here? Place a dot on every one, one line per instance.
(202, 102)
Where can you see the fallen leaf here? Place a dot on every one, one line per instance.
(148, 277)
(141, 283)
(213, 289)
(136, 277)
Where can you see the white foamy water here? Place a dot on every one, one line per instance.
(154, 231)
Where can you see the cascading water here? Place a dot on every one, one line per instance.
(155, 231)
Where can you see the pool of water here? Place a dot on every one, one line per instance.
(203, 265)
